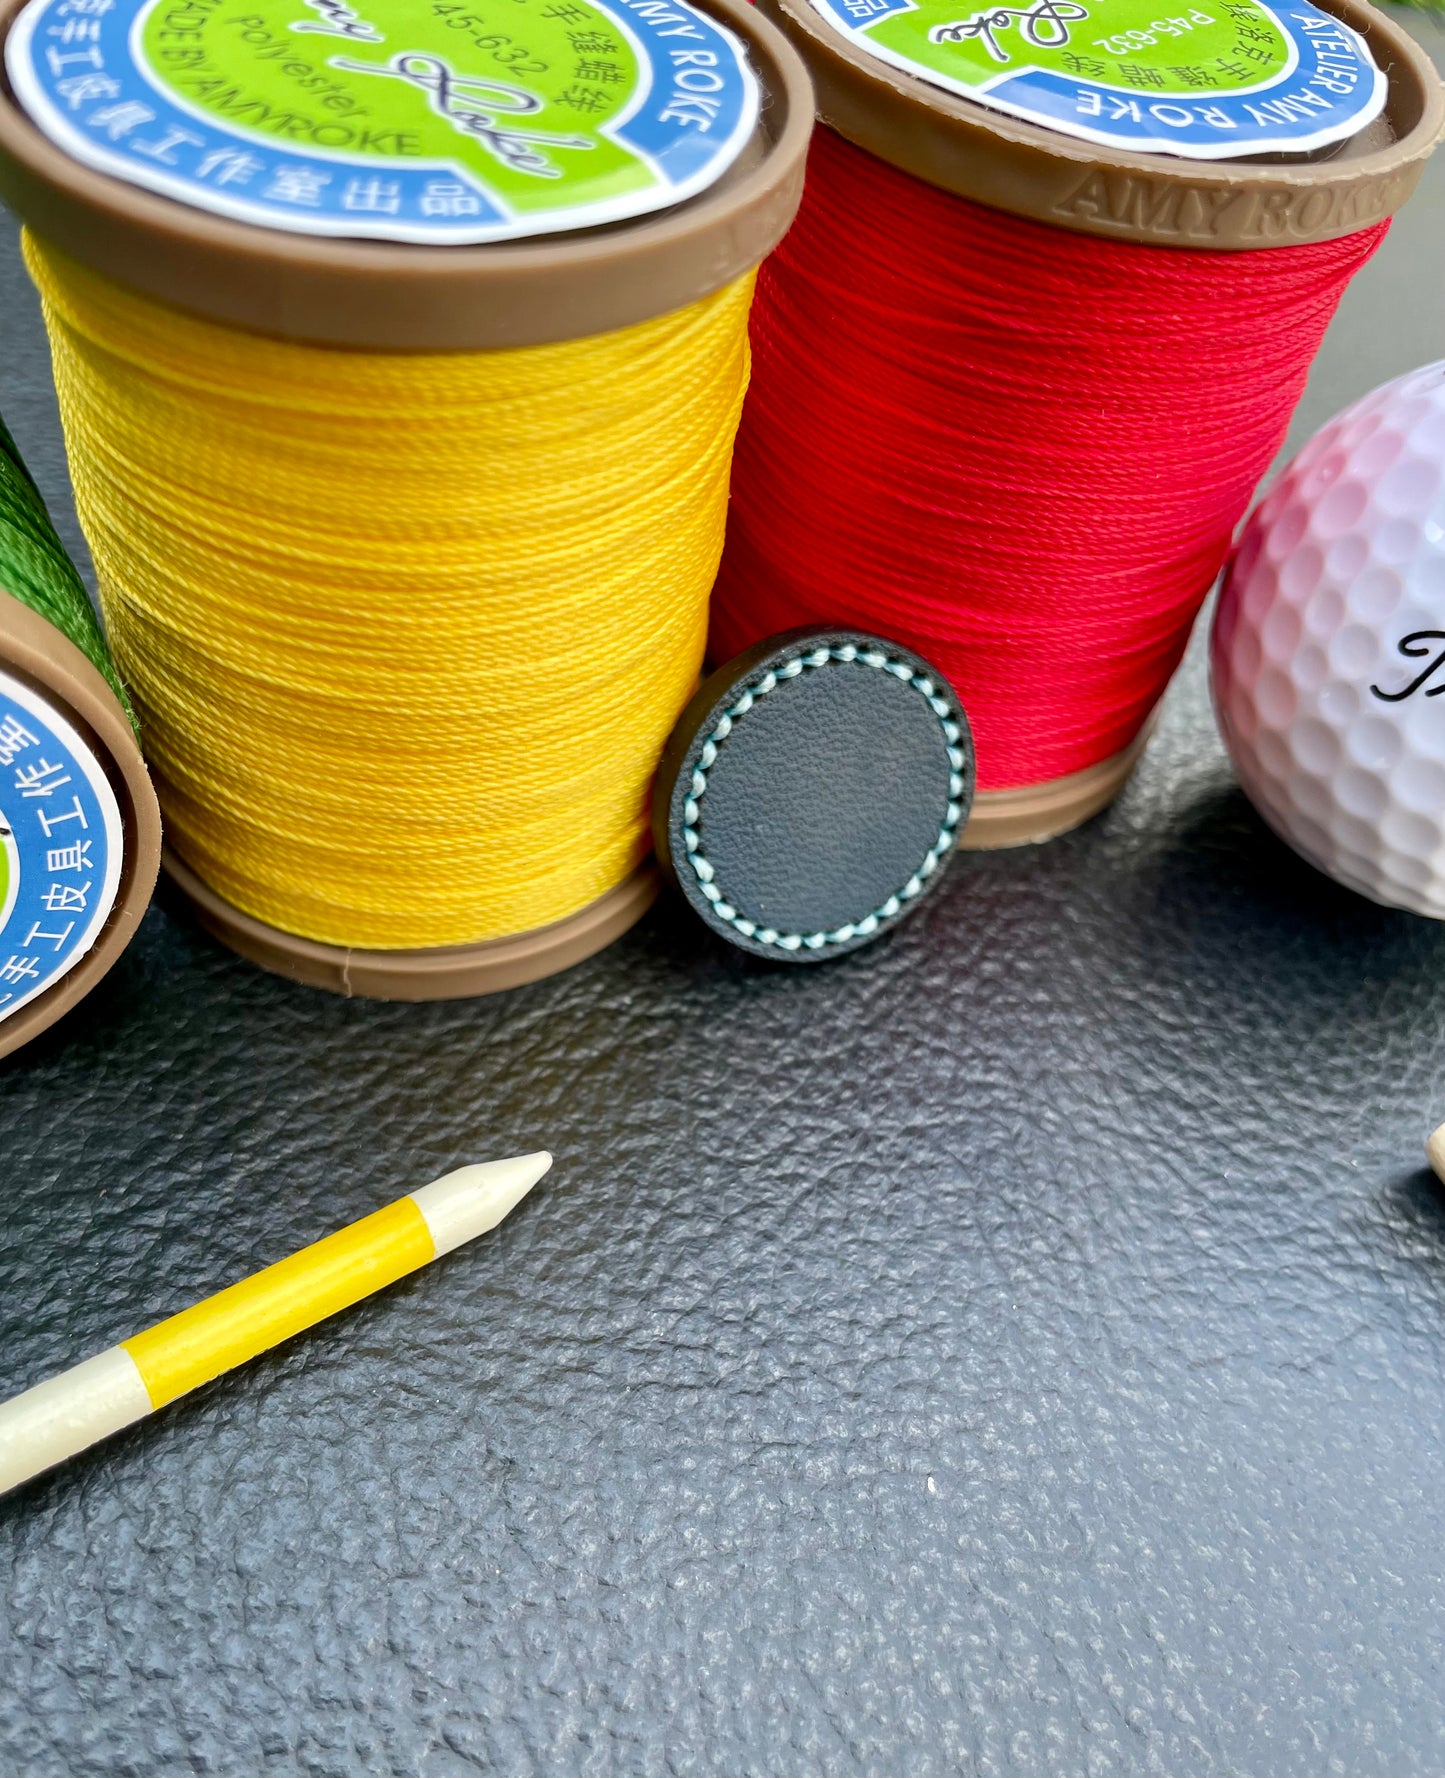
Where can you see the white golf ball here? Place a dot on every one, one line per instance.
(1328, 654)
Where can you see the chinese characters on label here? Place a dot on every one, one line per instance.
(60, 843)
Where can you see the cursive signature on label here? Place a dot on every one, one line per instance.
(1415, 647)
(477, 107)
(338, 20)
(1044, 25)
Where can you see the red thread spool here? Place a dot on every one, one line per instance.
(1020, 448)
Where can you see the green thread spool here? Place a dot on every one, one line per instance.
(79, 825)
(35, 569)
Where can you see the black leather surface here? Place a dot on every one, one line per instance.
(1016, 1348)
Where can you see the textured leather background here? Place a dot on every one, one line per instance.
(1017, 1348)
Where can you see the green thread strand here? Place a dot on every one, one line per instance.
(35, 569)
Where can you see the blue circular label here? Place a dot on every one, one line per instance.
(1223, 80)
(61, 846)
(435, 121)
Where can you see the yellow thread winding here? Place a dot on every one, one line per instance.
(406, 633)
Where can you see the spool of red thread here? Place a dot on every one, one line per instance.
(1012, 392)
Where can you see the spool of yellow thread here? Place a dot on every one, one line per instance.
(404, 548)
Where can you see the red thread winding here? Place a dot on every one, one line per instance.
(1020, 451)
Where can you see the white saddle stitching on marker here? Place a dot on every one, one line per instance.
(691, 812)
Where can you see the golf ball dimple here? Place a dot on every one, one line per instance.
(1327, 659)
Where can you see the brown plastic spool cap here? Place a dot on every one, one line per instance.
(1035, 812)
(396, 297)
(36, 652)
(961, 146)
(445, 972)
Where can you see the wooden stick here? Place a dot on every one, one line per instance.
(57, 1418)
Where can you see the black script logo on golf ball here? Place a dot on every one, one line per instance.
(1416, 647)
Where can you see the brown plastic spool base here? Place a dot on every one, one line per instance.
(1163, 200)
(1035, 812)
(35, 651)
(450, 972)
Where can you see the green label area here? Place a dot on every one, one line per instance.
(1133, 47)
(512, 91)
(1212, 81)
(426, 120)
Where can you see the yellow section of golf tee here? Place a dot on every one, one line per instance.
(189, 1349)
(180, 1354)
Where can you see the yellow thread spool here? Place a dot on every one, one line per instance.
(410, 596)
(458, 598)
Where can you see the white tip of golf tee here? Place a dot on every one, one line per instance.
(472, 1200)
(1435, 1150)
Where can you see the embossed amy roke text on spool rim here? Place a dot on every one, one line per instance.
(1021, 167)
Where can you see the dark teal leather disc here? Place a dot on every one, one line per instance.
(813, 792)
